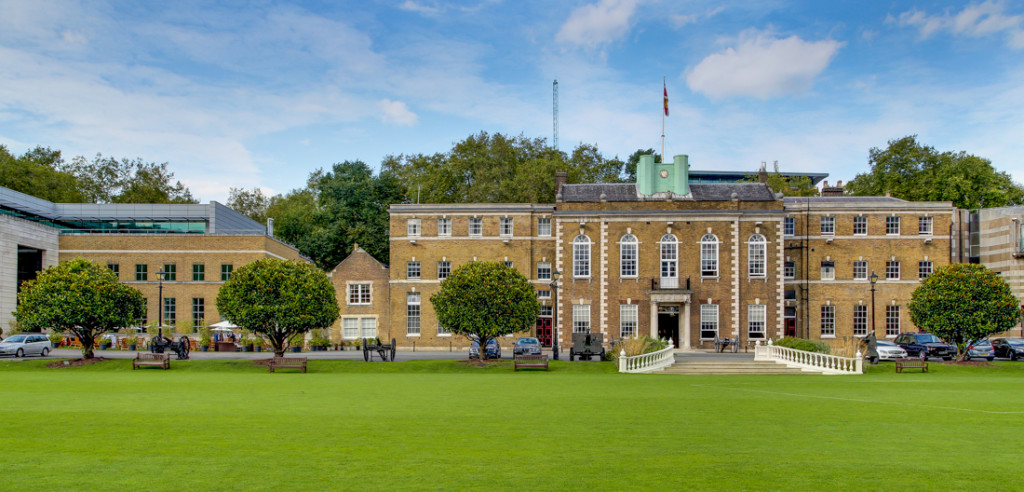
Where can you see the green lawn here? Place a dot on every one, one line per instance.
(443, 426)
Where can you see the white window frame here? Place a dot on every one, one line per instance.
(892, 320)
(413, 227)
(368, 331)
(860, 222)
(629, 251)
(708, 321)
(506, 227)
(413, 270)
(581, 318)
(828, 321)
(757, 321)
(444, 226)
(356, 291)
(544, 270)
(413, 314)
(629, 320)
(789, 270)
(350, 332)
(925, 269)
(925, 225)
(828, 272)
(444, 269)
(544, 226)
(892, 270)
(789, 226)
(709, 256)
(757, 253)
(669, 254)
(476, 226)
(543, 294)
(860, 320)
(892, 225)
(581, 256)
(860, 270)
(828, 225)
(442, 331)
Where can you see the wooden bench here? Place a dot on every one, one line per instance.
(145, 359)
(912, 364)
(534, 361)
(287, 363)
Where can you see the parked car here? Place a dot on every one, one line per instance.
(1011, 348)
(925, 345)
(979, 349)
(23, 344)
(889, 351)
(493, 349)
(526, 346)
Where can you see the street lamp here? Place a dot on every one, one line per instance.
(874, 280)
(554, 312)
(160, 303)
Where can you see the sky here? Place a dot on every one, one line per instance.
(260, 94)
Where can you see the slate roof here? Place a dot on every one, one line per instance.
(842, 199)
(626, 192)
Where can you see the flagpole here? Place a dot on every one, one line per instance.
(664, 110)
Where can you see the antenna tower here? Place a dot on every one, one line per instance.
(554, 111)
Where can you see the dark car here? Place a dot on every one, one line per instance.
(493, 349)
(980, 349)
(1011, 348)
(526, 346)
(925, 345)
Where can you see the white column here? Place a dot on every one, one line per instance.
(654, 319)
(686, 323)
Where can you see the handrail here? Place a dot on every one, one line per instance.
(814, 361)
(650, 362)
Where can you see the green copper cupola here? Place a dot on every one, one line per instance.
(663, 177)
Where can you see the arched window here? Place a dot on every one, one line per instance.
(628, 255)
(581, 256)
(757, 248)
(669, 261)
(709, 255)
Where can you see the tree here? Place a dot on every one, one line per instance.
(78, 297)
(253, 204)
(916, 172)
(634, 159)
(109, 180)
(278, 299)
(486, 300)
(787, 185)
(962, 302)
(38, 173)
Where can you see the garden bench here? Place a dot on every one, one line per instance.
(911, 364)
(145, 359)
(535, 361)
(287, 363)
(723, 344)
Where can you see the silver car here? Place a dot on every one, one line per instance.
(526, 346)
(887, 350)
(24, 344)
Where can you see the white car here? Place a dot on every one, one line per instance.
(887, 350)
(24, 344)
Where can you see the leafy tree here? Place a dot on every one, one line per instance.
(109, 180)
(486, 300)
(79, 297)
(788, 185)
(251, 203)
(962, 302)
(912, 171)
(278, 299)
(38, 173)
(634, 160)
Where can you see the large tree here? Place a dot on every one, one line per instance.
(112, 180)
(483, 300)
(787, 185)
(278, 299)
(38, 173)
(962, 302)
(78, 297)
(912, 171)
(251, 203)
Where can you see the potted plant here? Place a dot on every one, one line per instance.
(204, 337)
(56, 338)
(132, 341)
(258, 344)
(295, 343)
(104, 342)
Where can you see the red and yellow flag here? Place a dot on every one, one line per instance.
(666, 98)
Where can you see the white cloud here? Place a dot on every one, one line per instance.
(396, 112)
(597, 24)
(762, 66)
(978, 20)
(420, 8)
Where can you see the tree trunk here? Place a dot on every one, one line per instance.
(87, 344)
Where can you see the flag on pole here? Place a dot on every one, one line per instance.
(666, 98)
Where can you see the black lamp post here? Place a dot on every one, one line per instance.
(160, 303)
(874, 280)
(554, 313)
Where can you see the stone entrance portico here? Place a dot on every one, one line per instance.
(672, 296)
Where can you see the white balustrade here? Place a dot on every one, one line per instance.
(651, 362)
(814, 361)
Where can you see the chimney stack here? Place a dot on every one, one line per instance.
(836, 190)
(270, 226)
(560, 178)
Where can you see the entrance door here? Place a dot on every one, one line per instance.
(790, 327)
(668, 324)
(544, 331)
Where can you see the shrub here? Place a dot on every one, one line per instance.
(804, 344)
(635, 346)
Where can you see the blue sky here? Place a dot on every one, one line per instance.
(262, 93)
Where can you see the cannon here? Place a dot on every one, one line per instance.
(587, 345)
(385, 351)
(181, 347)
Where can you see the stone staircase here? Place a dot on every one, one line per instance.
(726, 364)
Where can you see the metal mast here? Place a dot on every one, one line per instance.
(554, 111)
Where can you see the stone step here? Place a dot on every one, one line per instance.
(729, 367)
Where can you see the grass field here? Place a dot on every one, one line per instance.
(439, 425)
